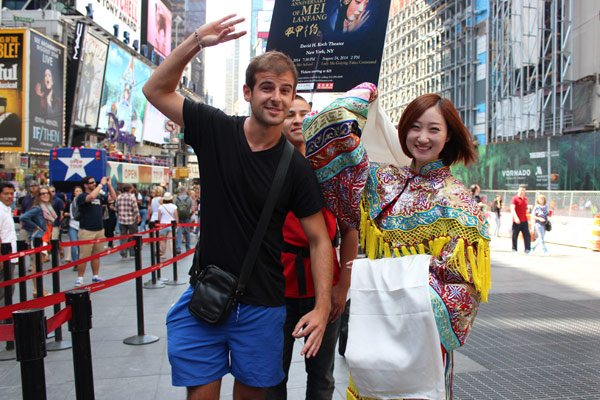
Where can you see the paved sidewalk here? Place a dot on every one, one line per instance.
(537, 338)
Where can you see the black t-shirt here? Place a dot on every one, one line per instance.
(90, 214)
(235, 182)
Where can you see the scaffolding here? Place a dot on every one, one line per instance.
(430, 48)
(530, 92)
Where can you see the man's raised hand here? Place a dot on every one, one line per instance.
(220, 31)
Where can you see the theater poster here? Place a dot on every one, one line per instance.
(12, 83)
(335, 44)
(92, 59)
(46, 93)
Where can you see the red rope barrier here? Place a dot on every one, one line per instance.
(58, 319)
(185, 224)
(68, 265)
(24, 253)
(47, 301)
(7, 333)
(94, 241)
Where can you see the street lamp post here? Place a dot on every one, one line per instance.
(178, 20)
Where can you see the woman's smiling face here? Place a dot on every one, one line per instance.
(427, 137)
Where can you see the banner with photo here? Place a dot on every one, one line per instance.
(12, 94)
(123, 103)
(46, 94)
(159, 27)
(89, 88)
(335, 44)
(154, 125)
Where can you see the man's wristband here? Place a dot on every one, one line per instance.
(101, 186)
(198, 41)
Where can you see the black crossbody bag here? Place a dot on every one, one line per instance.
(216, 291)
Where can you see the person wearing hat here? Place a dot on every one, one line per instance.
(167, 213)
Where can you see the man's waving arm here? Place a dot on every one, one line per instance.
(160, 89)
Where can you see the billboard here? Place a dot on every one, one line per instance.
(195, 16)
(92, 59)
(12, 94)
(159, 27)
(107, 13)
(330, 40)
(263, 23)
(123, 104)
(46, 93)
(154, 125)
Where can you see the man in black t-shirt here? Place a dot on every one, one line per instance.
(238, 157)
(91, 225)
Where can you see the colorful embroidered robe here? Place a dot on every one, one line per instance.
(401, 212)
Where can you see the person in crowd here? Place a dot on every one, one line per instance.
(73, 224)
(111, 222)
(185, 210)
(157, 194)
(419, 213)
(299, 288)
(143, 204)
(496, 213)
(475, 190)
(59, 206)
(129, 216)
(540, 216)
(8, 234)
(167, 213)
(91, 222)
(38, 222)
(518, 210)
(238, 157)
(26, 204)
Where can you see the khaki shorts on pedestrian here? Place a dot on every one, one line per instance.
(87, 250)
(55, 232)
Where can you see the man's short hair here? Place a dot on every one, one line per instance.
(126, 187)
(85, 179)
(522, 185)
(298, 97)
(272, 61)
(6, 185)
(182, 189)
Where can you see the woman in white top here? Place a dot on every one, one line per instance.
(157, 194)
(167, 213)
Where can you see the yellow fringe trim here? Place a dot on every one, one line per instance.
(461, 260)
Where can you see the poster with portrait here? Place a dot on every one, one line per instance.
(159, 27)
(46, 93)
(12, 82)
(89, 87)
(123, 104)
(330, 41)
(154, 125)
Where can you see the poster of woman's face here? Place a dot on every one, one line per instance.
(159, 27)
(46, 97)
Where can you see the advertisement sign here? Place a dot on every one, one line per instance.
(155, 125)
(136, 173)
(330, 40)
(72, 164)
(123, 104)
(574, 164)
(92, 59)
(159, 27)
(107, 13)
(12, 82)
(263, 23)
(46, 93)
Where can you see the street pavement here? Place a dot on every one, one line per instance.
(537, 338)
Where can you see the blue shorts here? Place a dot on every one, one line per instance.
(249, 345)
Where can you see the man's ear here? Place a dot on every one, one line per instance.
(247, 93)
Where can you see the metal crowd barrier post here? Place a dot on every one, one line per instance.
(30, 338)
(153, 283)
(5, 249)
(174, 281)
(37, 242)
(79, 326)
(141, 337)
(22, 246)
(59, 343)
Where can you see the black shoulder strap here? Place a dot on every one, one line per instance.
(265, 216)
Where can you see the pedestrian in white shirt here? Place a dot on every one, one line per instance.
(7, 227)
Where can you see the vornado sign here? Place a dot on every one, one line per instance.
(516, 172)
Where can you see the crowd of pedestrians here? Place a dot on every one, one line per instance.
(93, 210)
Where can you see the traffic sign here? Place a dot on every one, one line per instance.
(170, 126)
(171, 146)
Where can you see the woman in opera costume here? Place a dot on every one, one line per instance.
(427, 243)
